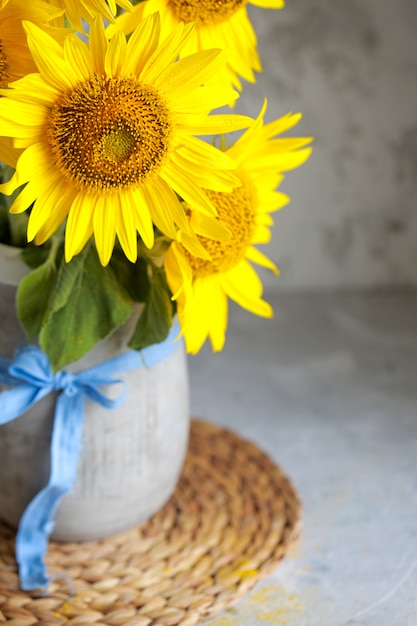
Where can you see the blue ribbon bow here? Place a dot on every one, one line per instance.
(31, 378)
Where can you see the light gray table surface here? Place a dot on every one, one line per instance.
(328, 389)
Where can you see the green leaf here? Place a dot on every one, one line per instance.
(33, 295)
(156, 320)
(34, 256)
(86, 306)
(133, 276)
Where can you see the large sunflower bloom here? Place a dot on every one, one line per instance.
(108, 131)
(219, 24)
(77, 10)
(202, 287)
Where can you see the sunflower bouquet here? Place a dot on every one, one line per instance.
(122, 188)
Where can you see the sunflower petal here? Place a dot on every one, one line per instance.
(104, 224)
(254, 255)
(115, 56)
(59, 204)
(142, 44)
(126, 229)
(79, 226)
(48, 56)
(98, 45)
(140, 212)
(243, 285)
(30, 166)
(78, 56)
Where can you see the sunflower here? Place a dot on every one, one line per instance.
(202, 287)
(77, 10)
(108, 130)
(15, 57)
(220, 24)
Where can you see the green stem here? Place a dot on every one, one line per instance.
(55, 242)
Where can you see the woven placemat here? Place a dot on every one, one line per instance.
(230, 521)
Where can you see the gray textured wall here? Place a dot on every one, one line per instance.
(350, 66)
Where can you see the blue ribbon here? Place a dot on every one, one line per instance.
(31, 378)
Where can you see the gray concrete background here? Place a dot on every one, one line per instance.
(328, 389)
(350, 66)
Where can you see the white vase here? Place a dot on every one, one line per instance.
(131, 457)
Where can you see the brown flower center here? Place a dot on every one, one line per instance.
(109, 133)
(4, 68)
(238, 211)
(205, 12)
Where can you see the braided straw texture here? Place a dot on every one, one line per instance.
(230, 521)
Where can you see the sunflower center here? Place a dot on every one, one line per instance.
(118, 145)
(237, 210)
(205, 12)
(4, 66)
(109, 133)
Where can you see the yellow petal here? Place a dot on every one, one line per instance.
(243, 285)
(192, 244)
(186, 189)
(195, 319)
(31, 165)
(262, 234)
(79, 226)
(178, 271)
(214, 124)
(48, 56)
(203, 99)
(166, 53)
(9, 155)
(218, 311)
(210, 227)
(98, 45)
(44, 206)
(77, 55)
(268, 4)
(56, 210)
(153, 199)
(104, 224)
(206, 177)
(142, 44)
(32, 88)
(192, 71)
(115, 56)
(15, 116)
(254, 255)
(284, 161)
(206, 155)
(127, 22)
(140, 211)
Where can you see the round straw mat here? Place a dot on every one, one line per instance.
(230, 521)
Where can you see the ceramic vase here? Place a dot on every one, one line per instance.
(131, 457)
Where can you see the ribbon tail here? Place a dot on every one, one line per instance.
(36, 523)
